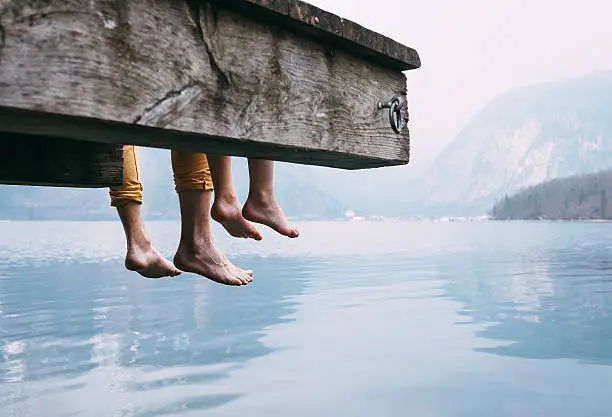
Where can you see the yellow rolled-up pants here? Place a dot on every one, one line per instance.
(191, 172)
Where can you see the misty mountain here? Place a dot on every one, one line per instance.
(523, 138)
(379, 191)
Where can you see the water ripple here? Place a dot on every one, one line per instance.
(382, 318)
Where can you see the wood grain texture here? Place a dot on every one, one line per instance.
(331, 29)
(205, 77)
(49, 161)
(96, 130)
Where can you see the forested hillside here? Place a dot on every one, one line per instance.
(572, 198)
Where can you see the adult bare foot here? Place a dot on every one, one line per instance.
(264, 209)
(226, 210)
(204, 259)
(141, 255)
(145, 260)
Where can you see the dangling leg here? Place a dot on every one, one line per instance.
(141, 256)
(226, 208)
(261, 206)
(196, 252)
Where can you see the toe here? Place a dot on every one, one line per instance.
(235, 282)
(250, 230)
(244, 277)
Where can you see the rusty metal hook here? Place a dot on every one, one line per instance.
(395, 107)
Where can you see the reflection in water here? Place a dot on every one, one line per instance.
(550, 304)
(95, 328)
(356, 319)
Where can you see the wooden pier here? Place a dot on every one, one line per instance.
(276, 79)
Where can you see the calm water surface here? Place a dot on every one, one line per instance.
(352, 319)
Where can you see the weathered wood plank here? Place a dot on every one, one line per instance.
(96, 130)
(49, 161)
(331, 29)
(207, 78)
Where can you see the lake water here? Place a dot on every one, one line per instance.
(352, 319)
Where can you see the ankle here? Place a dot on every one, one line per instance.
(262, 197)
(226, 198)
(141, 243)
(194, 246)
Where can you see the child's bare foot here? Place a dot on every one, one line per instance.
(204, 259)
(265, 210)
(145, 260)
(226, 210)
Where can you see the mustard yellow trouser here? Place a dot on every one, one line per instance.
(191, 172)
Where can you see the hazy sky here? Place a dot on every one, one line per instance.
(475, 50)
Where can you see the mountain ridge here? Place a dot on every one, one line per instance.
(524, 137)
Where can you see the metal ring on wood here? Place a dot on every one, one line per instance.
(395, 107)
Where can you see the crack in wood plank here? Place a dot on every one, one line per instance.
(205, 35)
(171, 106)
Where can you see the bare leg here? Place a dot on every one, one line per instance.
(196, 252)
(141, 255)
(261, 207)
(226, 207)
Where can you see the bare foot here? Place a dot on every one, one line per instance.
(266, 211)
(226, 210)
(145, 260)
(204, 259)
